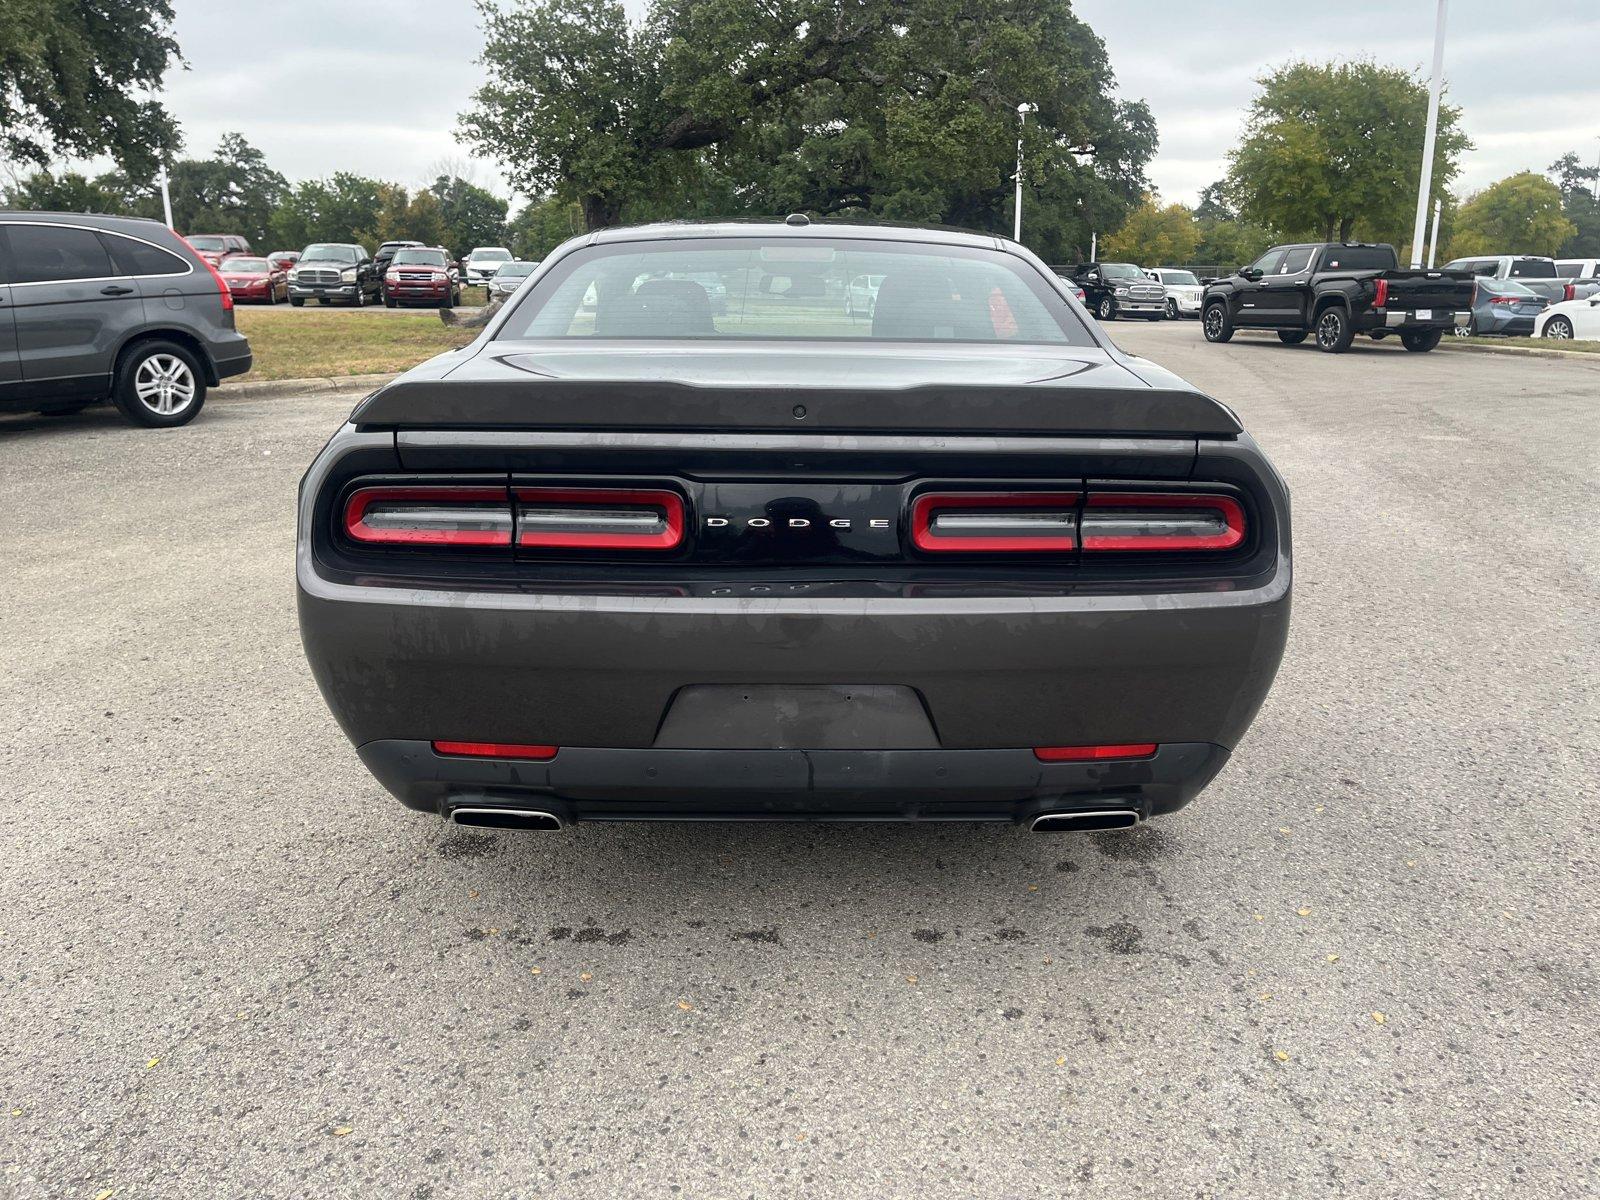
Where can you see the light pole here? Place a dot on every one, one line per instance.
(1426, 185)
(166, 196)
(1022, 119)
(1433, 242)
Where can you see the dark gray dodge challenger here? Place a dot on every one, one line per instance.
(888, 532)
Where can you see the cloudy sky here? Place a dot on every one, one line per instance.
(374, 86)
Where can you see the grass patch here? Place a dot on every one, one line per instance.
(303, 343)
(1531, 343)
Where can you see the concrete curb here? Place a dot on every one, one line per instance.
(1523, 351)
(268, 389)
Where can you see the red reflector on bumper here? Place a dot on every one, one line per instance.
(495, 750)
(1093, 753)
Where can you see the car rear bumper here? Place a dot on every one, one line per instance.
(1440, 318)
(598, 676)
(609, 784)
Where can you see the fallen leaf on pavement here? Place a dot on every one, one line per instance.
(344, 1131)
(1281, 1055)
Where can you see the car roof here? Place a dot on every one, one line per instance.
(98, 220)
(675, 230)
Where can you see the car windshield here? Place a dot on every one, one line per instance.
(209, 244)
(1181, 278)
(1532, 268)
(419, 257)
(795, 288)
(245, 266)
(515, 270)
(481, 256)
(331, 252)
(1119, 271)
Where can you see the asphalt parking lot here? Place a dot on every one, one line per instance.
(1362, 964)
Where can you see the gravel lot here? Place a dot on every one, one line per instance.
(1361, 965)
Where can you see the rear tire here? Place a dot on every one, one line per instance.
(297, 301)
(1421, 341)
(1334, 331)
(1172, 309)
(1292, 337)
(1215, 323)
(159, 385)
(1106, 310)
(1558, 327)
(1156, 317)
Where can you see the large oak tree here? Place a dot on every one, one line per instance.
(885, 108)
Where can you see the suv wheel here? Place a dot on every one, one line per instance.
(159, 384)
(1334, 332)
(297, 301)
(1216, 324)
(1172, 309)
(1291, 337)
(1106, 310)
(361, 296)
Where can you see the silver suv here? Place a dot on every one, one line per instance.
(97, 308)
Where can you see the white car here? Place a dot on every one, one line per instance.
(484, 261)
(509, 278)
(1183, 291)
(1570, 319)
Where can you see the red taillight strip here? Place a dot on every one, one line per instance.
(1231, 510)
(666, 538)
(360, 500)
(1094, 753)
(925, 506)
(222, 284)
(1381, 300)
(496, 750)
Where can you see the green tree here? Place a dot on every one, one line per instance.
(1331, 152)
(1154, 236)
(869, 107)
(472, 216)
(69, 74)
(543, 225)
(69, 192)
(1520, 214)
(1578, 201)
(423, 221)
(343, 208)
(233, 191)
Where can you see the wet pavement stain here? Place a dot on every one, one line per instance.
(1121, 938)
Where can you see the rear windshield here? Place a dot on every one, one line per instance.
(242, 265)
(1358, 258)
(795, 288)
(1532, 268)
(419, 257)
(209, 244)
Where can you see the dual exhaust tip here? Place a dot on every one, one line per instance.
(537, 819)
(1084, 821)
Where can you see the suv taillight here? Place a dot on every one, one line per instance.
(222, 284)
(1569, 292)
(428, 516)
(1381, 300)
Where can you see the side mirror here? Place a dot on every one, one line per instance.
(1093, 277)
(1251, 273)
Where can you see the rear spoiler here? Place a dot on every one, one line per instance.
(1055, 408)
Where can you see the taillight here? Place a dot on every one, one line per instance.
(222, 285)
(599, 518)
(496, 750)
(1094, 753)
(1381, 300)
(1160, 521)
(1569, 292)
(429, 516)
(1507, 299)
(1003, 522)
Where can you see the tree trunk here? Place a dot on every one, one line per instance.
(601, 212)
(1346, 226)
(1327, 230)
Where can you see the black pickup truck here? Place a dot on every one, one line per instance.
(1337, 290)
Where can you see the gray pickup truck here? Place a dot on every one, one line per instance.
(1337, 290)
(1534, 272)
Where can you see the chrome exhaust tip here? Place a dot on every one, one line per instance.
(481, 817)
(1084, 820)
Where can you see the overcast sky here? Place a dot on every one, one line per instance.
(374, 86)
